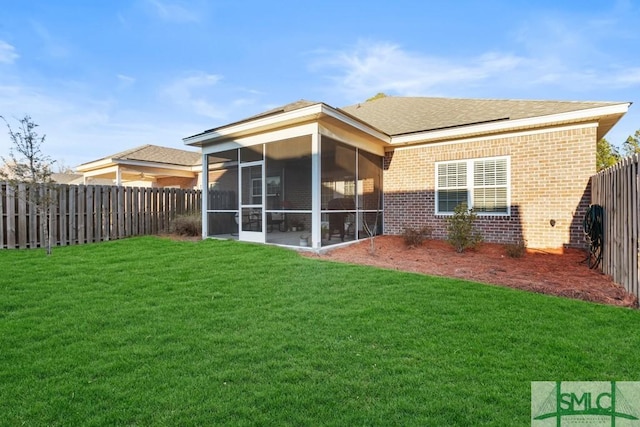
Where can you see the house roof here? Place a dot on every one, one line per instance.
(296, 105)
(403, 115)
(77, 179)
(408, 120)
(152, 154)
(67, 178)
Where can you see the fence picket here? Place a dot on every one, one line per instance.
(63, 219)
(617, 189)
(106, 216)
(90, 214)
(84, 213)
(32, 220)
(3, 214)
(52, 196)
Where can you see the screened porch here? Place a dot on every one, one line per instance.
(305, 191)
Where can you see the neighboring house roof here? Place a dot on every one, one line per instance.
(152, 154)
(68, 178)
(78, 179)
(149, 163)
(410, 120)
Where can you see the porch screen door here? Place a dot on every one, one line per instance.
(251, 217)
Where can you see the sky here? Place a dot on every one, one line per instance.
(99, 77)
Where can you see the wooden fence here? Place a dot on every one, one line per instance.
(92, 213)
(616, 190)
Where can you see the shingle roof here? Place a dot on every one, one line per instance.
(401, 115)
(67, 178)
(158, 154)
(277, 110)
(285, 108)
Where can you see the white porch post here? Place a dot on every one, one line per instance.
(205, 193)
(118, 176)
(316, 233)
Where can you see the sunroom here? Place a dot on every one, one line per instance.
(303, 175)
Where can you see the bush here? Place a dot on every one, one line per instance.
(187, 225)
(517, 249)
(460, 232)
(414, 238)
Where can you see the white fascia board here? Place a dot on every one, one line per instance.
(102, 171)
(291, 117)
(244, 127)
(486, 138)
(98, 164)
(511, 124)
(142, 163)
(262, 138)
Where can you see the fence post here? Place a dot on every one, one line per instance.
(3, 189)
(617, 190)
(53, 205)
(81, 214)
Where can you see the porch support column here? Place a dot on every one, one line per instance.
(118, 176)
(316, 233)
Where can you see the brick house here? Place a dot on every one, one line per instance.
(395, 162)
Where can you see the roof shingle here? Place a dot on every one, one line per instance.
(397, 115)
(158, 154)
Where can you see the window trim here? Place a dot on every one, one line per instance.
(470, 187)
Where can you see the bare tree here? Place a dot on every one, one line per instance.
(28, 165)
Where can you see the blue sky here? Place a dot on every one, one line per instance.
(102, 77)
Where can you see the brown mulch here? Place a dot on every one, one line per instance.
(564, 274)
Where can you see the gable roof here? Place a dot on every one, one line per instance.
(292, 106)
(396, 120)
(396, 115)
(152, 154)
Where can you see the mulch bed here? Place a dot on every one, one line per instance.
(563, 274)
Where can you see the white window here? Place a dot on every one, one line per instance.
(483, 184)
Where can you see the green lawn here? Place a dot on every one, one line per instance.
(149, 331)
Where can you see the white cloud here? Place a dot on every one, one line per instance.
(628, 77)
(8, 53)
(125, 82)
(81, 127)
(126, 79)
(385, 67)
(54, 47)
(173, 11)
(193, 92)
(372, 67)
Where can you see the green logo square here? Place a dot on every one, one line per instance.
(585, 403)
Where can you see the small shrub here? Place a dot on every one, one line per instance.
(187, 225)
(517, 249)
(414, 238)
(460, 232)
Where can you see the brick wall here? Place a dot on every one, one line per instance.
(549, 181)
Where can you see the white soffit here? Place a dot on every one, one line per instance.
(262, 124)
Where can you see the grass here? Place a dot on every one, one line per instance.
(149, 331)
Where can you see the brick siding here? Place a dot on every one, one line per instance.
(549, 181)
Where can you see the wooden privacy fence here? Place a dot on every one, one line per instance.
(92, 213)
(616, 190)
